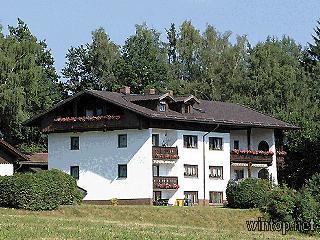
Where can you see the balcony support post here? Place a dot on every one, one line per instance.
(249, 169)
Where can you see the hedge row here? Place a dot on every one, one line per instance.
(45, 190)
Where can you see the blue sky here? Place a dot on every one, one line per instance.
(70, 22)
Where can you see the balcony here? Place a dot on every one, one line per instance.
(251, 156)
(164, 154)
(83, 123)
(165, 183)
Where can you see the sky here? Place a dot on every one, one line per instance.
(70, 22)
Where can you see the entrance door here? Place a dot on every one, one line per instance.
(156, 195)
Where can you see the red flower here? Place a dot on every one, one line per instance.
(252, 152)
(88, 119)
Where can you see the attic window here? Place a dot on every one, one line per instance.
(89, 113)
(99, 111)
(162, 107)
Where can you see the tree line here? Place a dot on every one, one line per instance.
(276, 76)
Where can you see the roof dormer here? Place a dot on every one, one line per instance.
(164, 101)
(186, 104)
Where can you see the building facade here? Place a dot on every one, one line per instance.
(150, 147)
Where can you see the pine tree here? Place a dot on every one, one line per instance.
(314, 49)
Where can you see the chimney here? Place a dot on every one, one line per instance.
(170, 92)
(150, 91)
(125, 90)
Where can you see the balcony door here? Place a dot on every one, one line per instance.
(155, 170)
(155, 140)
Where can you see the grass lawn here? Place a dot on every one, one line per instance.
(133, 222)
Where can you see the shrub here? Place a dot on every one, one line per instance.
(312, 186)
(45, 190)
(248, 193)
(281, 204)
(307, 208)
(308, 201)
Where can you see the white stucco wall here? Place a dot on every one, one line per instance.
(194, 156)
(98, 159)
(257, 135)
(218, 158)
(99, 156)
(6, 169)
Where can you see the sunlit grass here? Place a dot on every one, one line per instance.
(133, 222)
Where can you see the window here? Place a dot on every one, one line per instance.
(236, 144)
(74, 172)
(263, 146)
(191, 170)
(216, 172)
(122, 170)
(122, 140)
(162, 107)
(74, 142)
(215, 143)
(193, 196)
(188, 109)
(239, 174)
(99, 111)
(216, 197)
(89, 113)
(190, 141)
(263, 174)
(155, 139)
(155, 170)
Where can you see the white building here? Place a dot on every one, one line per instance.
(9, 158)
(139, 148)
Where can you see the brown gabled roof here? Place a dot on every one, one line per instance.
(13, 150)
(3, 161)
(38, 157)
(210, 112)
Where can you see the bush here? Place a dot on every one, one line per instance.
(248, 193)
(45, 190)
(281, 206)
(312, 186)
(308, 201)
(307, 208)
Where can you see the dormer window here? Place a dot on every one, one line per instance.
(162, 107)
(99, 111)
(89, 112)
(188, 109)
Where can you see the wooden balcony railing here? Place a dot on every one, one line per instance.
(165, 182)
(165, 153)
(254, 157)
(83, 123)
